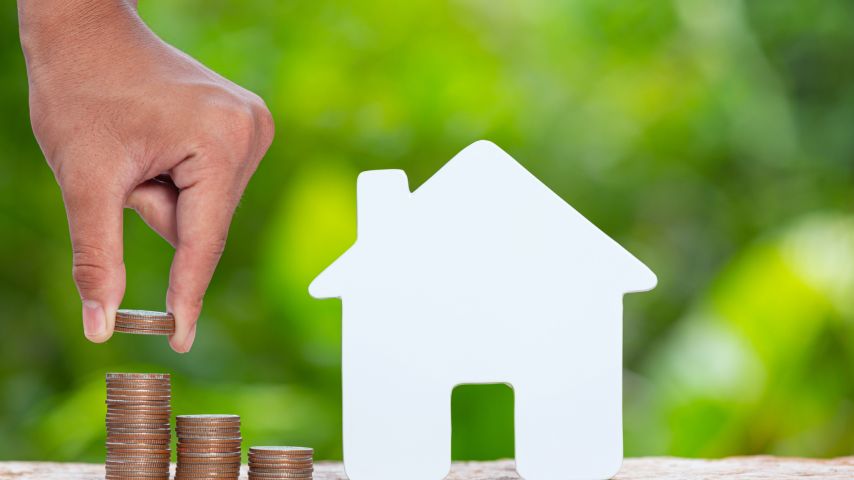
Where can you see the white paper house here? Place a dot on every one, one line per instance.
(482, 275)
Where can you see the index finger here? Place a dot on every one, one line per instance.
(210, 185)
(204, 212)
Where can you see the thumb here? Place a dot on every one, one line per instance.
(95, 224)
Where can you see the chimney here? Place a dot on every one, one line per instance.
(381, 197)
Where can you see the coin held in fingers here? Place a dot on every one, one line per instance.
(144, 322)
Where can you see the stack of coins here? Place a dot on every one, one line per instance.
(144, 322)
(280, 463)
(208, 446)
(138, 428)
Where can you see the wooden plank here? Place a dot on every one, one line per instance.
(661, 468)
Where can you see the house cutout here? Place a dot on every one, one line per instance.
(482, 275)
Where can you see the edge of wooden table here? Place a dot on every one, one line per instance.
(666, 468)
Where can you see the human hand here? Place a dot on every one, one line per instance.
(112, 107)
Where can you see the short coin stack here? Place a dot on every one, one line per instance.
(280, 463)
(208, 446)
(144, 322)
(138, 428)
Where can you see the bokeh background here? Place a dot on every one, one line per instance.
(713, 138)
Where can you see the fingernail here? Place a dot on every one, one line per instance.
(191, 337)
(94, 319)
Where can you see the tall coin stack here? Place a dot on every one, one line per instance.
(208, 446)
(280, 463)
(138, 428)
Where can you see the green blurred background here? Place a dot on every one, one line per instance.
(712, 138)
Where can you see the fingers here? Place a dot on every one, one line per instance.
(94, 208)
(204, 213)
(211, 183)
(156, 202)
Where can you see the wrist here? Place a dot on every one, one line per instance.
(48, 27)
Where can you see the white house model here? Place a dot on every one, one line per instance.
(482, 275)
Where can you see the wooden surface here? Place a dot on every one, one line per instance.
(779, 468)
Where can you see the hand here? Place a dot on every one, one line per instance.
(112, 107)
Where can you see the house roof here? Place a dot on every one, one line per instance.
(484, 196)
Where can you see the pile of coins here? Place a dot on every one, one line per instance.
(138, 427)
(144, 322)
(280, 463)
(208, 446)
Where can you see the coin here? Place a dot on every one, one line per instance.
(287, 451)
(282, 474)
(280, 463)
(206, 419)
(143, 315)
(139, 331)
(145, 322)
(140, 377)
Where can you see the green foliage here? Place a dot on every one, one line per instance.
(711, 138)
(482, 421)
